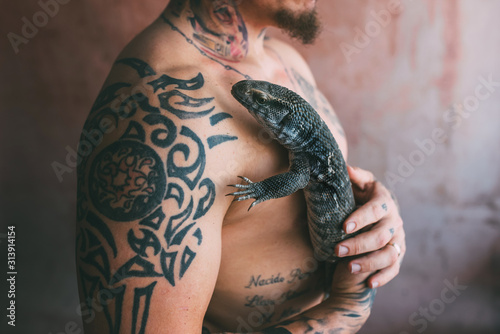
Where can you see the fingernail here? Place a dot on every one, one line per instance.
(374, 285)
(350, 227)
(343, 250)
(355, 268)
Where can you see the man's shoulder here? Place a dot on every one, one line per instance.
(155, 50)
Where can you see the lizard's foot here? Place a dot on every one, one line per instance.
(250, 190)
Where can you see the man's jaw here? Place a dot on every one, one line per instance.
(304, 26)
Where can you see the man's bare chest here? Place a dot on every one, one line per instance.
(267, 272)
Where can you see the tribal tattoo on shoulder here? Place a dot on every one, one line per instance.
(154, 161)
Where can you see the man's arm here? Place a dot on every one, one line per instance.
(345, 312)
(149, 212)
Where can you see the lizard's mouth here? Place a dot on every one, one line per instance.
(244, 98)
(241, 97)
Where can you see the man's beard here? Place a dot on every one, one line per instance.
(304, 26)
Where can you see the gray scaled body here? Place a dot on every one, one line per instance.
(316, 162)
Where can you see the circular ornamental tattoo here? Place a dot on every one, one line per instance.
(127, 181)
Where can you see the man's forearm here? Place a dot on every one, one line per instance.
(339, 314)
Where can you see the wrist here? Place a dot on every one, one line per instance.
(359, 302)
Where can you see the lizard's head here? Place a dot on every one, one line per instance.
(275, 107)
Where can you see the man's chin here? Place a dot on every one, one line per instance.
(304, 26)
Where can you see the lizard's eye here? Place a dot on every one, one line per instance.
(260, 98)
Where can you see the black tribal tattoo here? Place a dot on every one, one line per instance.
(152, 162)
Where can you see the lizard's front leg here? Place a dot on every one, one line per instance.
(276, 186)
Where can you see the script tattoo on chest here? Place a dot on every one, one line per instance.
(154, 161)
(286, 287)
(260, 300)
(294, 275)
(256, 281)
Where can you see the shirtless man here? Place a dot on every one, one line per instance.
(160, 249)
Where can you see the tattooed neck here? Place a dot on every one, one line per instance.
(217, 27)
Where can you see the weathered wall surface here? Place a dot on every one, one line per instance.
(411, 88)
(418, 92)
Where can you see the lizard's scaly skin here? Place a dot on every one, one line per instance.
(316, 162)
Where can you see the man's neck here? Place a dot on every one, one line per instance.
(218, 28)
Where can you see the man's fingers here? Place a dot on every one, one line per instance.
(375, 261)
(384, 276)
(367, 214)
(360, 178)
(382, 234)
(368, 241)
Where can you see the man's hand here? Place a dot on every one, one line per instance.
(382, 239)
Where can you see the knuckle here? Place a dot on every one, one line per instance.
(394, 256)
(399, 222)
(396, 270)
(366, 266)
(382, 189)
(382, 239)
(370, 177)
(376, 210)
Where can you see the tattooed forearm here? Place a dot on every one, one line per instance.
(289, 312)
(342, 314)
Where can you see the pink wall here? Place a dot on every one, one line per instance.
(413, 77)
(402, 84)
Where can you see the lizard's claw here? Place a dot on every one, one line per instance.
(246, 179)
(249, 190)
